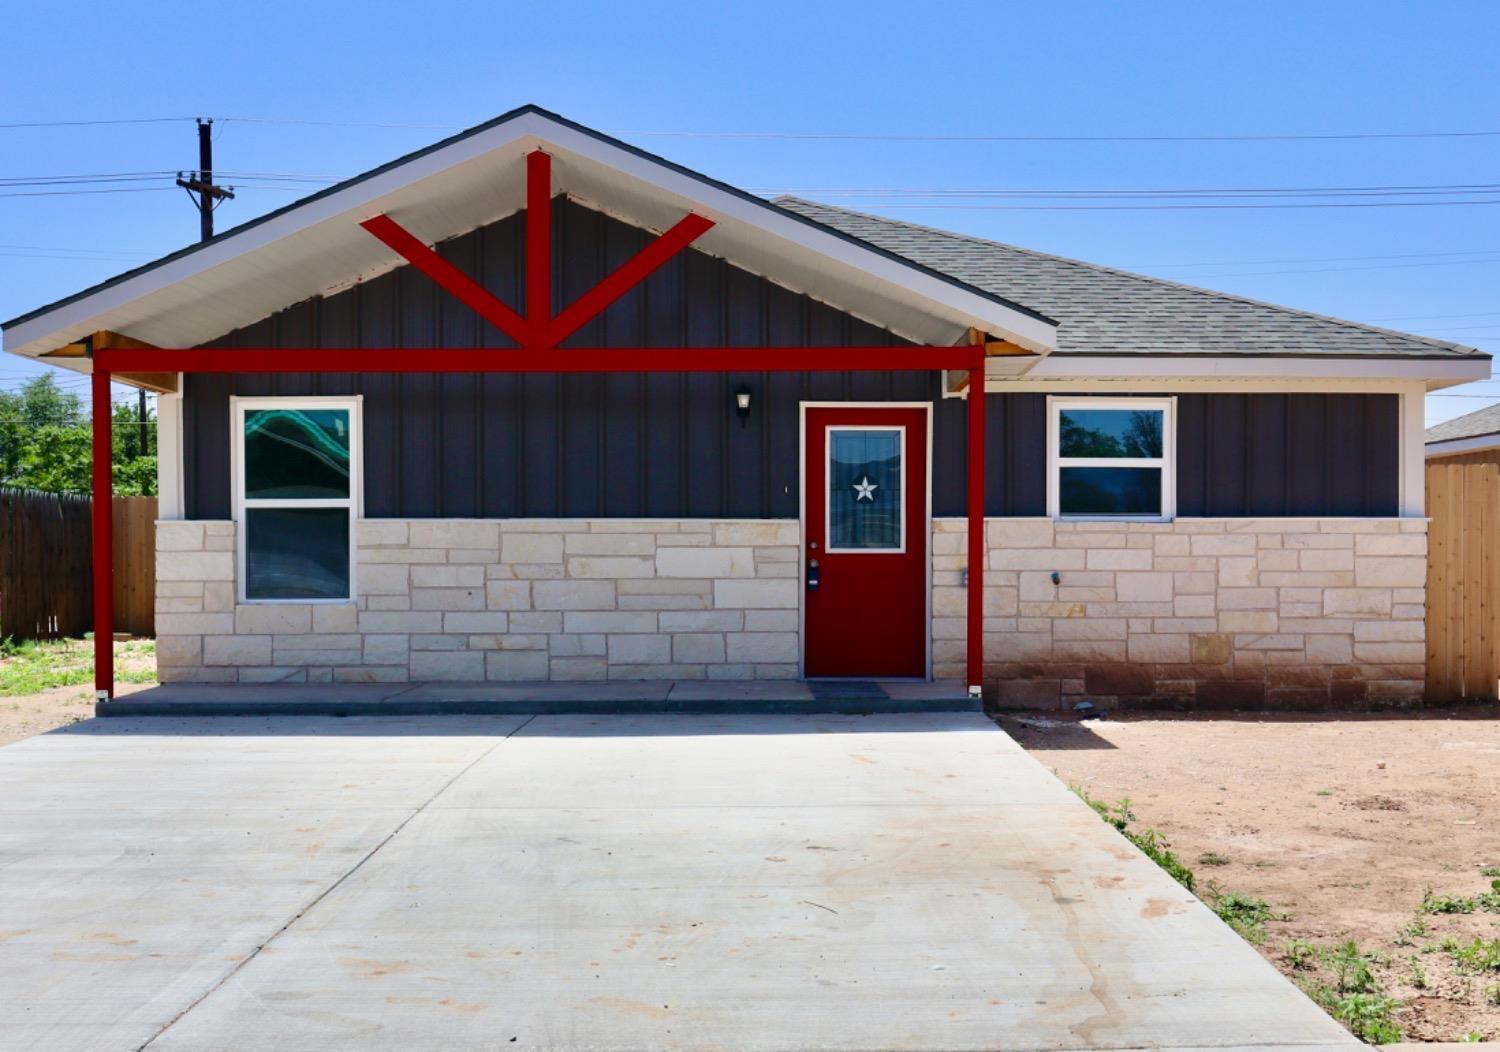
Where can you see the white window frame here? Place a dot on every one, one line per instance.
(900, 432)
(1167, 462)
(355, 502)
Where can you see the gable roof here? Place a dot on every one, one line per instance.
(1104, 311)
(315, 245)
(1477, 430)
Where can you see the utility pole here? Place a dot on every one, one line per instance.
(205, 195)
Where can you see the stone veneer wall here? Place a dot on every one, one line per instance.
(474, 600)
(1206, 613)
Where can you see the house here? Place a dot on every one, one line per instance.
(1463, 620)
(729, 438)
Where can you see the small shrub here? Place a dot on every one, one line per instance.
(1418, 974)
(1245, 915)
(1432, 903)
(1351, 969)
(1300, 955)
(1490, 871)
(1154, 846)
(1213, 858)
(1492, 994)
(1477, 957)
(1367, 1015)
(1473, 1037)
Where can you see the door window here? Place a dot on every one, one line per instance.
(865, 482)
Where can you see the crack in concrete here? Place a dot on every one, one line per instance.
(320, 896)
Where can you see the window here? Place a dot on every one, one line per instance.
(865, 482)
(296, 495)
(1111, 458)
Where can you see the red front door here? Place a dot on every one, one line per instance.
(865, 542)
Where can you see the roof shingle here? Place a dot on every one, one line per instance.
(1103, 311)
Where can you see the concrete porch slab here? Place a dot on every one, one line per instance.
(906, 882)
(606, 697)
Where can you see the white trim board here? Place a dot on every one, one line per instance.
(1168, 371)
(1451, 446)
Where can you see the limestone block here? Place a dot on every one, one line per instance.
(194, 624)
(440, 576)
(1120, 559)
(566, 644)
(691, 648)
(385, 649)
(367, 674)
(757, 533)
(178, 651)
(1374, 601)
(1330, 650)
(400, 621)
(608, 544)
(1090, 628)
(711, 620)
(609, 622)
(1390, 572)
(545, 622)
(196, 566)
(237, 650)
(508, 595)
(383, 578)
(577, 669)
(1143, 587)
(1169, 649)
(447, 598)
(611, 567)
(573, 595)
(1248, 620)
(1238, 572)
(1018, 533)
(1224, 544)
(756, 647)
(454, 533)
(487, 621)
(1246, 599)
(707, 562)
(516, 665)
(1210, 648)
(755, 594)
(1048, 559)
(1326, 559)
(1390, 631)
(639, 649)
(273, 618)
(380, 533)
(1386, 653)
(339, 618)
(449, 666)
(179, 536)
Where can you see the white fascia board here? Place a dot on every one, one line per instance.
(362, 200)
(1462, 445)
(1436, 372)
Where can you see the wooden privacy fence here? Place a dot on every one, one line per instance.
(46, 572)
(1463, 576)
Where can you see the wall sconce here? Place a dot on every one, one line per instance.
(742, 404)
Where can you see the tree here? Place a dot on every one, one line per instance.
(46, 442)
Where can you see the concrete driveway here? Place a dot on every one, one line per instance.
(653, 882)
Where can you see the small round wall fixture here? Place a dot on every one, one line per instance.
(742, 404)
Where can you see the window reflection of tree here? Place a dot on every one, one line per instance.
(1141, 437)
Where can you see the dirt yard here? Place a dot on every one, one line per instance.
(48, 685)
(1343, 824)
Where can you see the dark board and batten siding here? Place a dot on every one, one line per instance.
(671, 445)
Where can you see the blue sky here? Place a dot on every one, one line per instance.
(868, 70)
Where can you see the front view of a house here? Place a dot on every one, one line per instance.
(533, 405)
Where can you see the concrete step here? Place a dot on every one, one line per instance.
(620, 697)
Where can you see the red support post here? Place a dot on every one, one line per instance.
(538, 239)
(976, 530)
(103, 490)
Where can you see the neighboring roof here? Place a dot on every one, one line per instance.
(1104, 311)
(1477, 430)
(315, 245)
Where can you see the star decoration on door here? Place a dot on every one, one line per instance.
(864, 489)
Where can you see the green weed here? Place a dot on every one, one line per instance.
(1477, 957)
(1367, 1015)
(28, 667)
(1245, 915)
(1212, 858)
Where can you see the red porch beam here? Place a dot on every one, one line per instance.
(538, 239)
(103, 538)
(502, 360)
(975, 629)
(626, 276)
(463, 288)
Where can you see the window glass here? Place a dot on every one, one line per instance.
(864, 489)
(297, 553)
(1109, 491)
(296, 453)
(1110, 433)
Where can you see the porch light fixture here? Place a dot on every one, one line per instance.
(742, 404)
